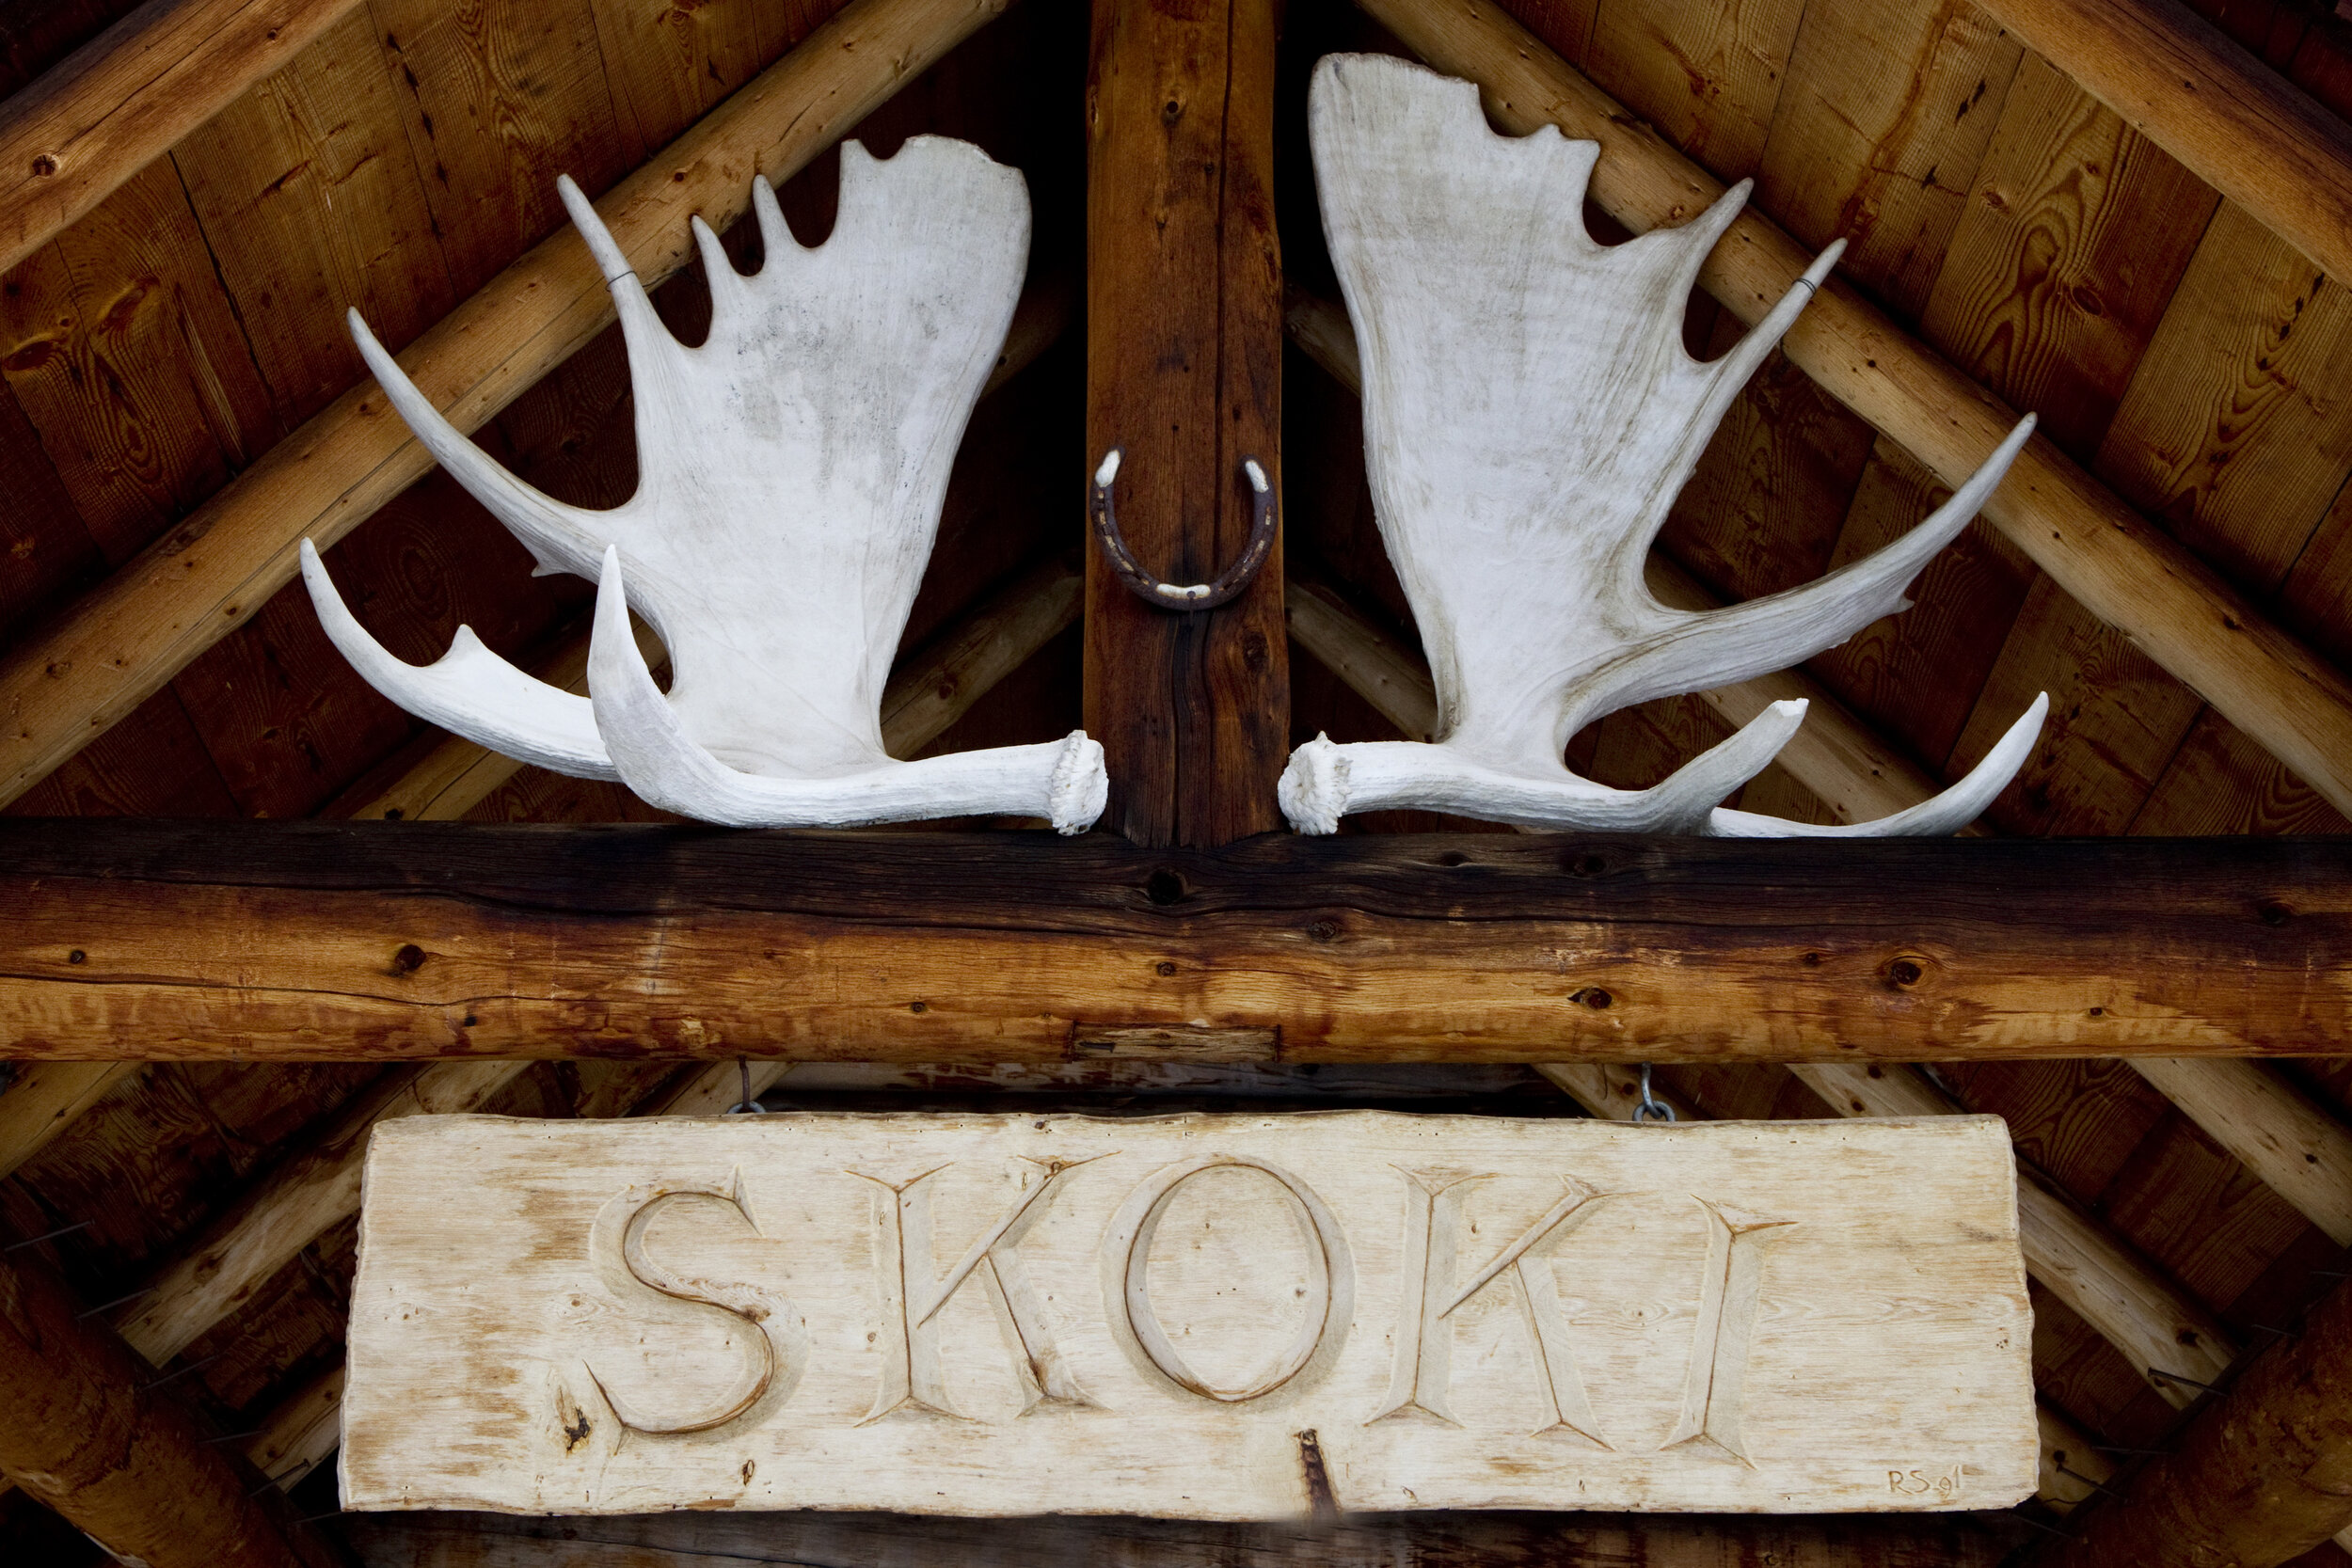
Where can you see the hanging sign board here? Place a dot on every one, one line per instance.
(1211, 1317)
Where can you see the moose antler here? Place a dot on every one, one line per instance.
(1530, 415)
(792, 470)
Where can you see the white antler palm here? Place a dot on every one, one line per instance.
(1530, 415)
(792, 470)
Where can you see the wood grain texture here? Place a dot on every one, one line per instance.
(1188, 1296)
(2258, 1478)
(1427, 1541)
(44, 1098)
(1184, 374)
(116, 104)
(1708, 76)
(2097, 549)
(2299, 1150)
(285, 941)
(2188, 87)
(323, 480)
(122, 1462)
(1881, 124)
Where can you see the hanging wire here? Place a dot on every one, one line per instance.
(1651, 1108)
(746, 1105)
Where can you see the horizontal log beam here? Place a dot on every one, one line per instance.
(124, 99)
(2114, 563)
(2195, 91)
(319, 941)
(64, 689)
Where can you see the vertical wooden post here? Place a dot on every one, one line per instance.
(1183, 372)
(82, 1430)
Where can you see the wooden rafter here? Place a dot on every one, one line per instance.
(2115, 564)
(213, 573)
(2195, 91)
(316, 940)
(89, 1435)
(2259, 1478)
(124, 99)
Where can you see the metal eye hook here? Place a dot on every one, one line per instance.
(746, 1105)
(1651, 1108)
(1263, 528)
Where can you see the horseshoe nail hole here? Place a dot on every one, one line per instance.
(2186, 1336)
(1166, 968)
(1811, 960)
(2274, 912)
(1324, 930)
(918, 1007)
(1586, 865)
(1592, 997)
(2098, 1012)
(408, 960)
(1164, 887)
(77, 957)
(471, 1020)
(1905, 971)
(1454, 857)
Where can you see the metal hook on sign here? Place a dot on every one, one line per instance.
(746, 1105)
(1263, 525)
(1651, 1108)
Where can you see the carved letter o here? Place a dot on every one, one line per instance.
(1144, 1321)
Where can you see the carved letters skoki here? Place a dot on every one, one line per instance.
(1018, 1314)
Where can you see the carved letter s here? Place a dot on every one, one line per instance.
(616, 1243)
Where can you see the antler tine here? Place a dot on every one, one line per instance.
(729, 293)
(1062, 781)
(639, 321)
(1703, 649)
(561, 538)
(1945, 813)
(469, 690)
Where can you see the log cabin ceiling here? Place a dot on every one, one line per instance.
(402, 152)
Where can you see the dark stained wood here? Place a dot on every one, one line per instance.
(2260, 1475)
(1183, 372)
(321, 940)
(1426, 1540)
(123, 1462)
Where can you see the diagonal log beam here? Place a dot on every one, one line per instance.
(124, 99)
(125, 1462)
(2195, 91)
(2120, 568)
(2261, 1476)
(205, 578)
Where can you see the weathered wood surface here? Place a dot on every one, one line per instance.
(115, 105)
(126, 1462)
(1184, 375)
(2261, 1476)
(346, 940)
(1423, 1540)
(2194, 91)
(2094, 546)
(1196, 1315)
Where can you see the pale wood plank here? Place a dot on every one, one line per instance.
(44, 1098)
(486, 1241)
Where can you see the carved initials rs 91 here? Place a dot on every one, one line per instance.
(911, 1377)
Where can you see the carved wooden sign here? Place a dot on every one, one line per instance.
(1220, 1317)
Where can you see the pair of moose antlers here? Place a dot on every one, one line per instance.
(1530, 415)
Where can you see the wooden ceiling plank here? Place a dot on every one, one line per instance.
(88, 1436)
(669, 66)
(121, 102)
(2104, 554)
(2194, 91)
(154, 616)
(1707, 76)
(2219, 781)
(2299, 1150)
(1184, 376)
(2257, 1478)
(44, 1098)
(944, 946)
(1883, 122)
